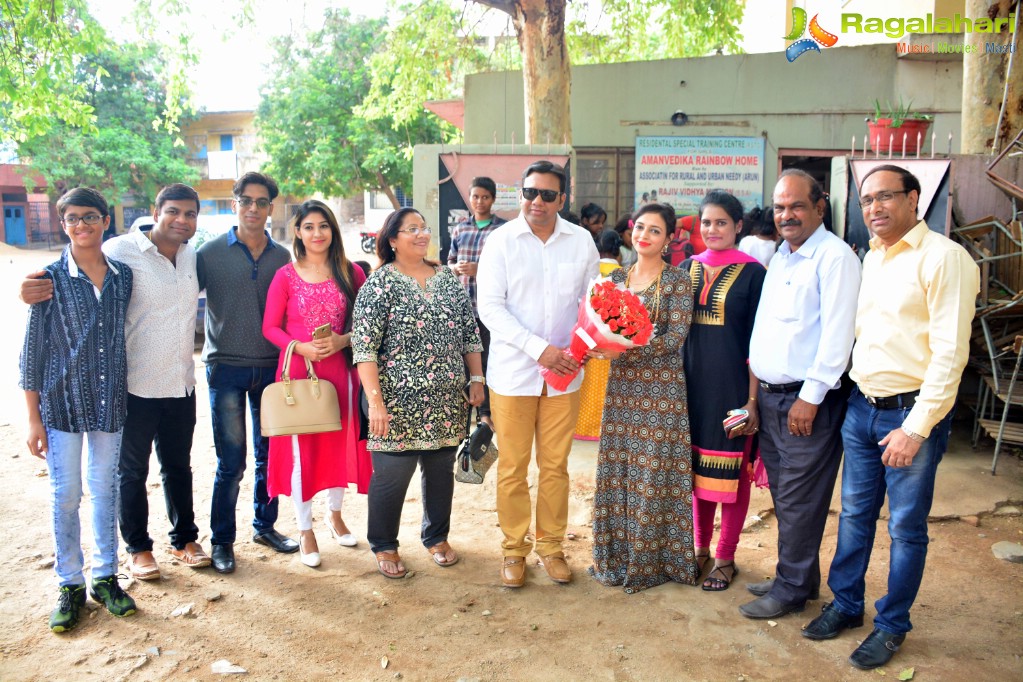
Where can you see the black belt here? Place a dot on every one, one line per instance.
(781, 388)
(893, 402)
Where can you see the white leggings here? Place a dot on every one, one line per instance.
(304, 510)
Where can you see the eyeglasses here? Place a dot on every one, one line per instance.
(548, 195)
(245, 202)
(882, 197)
(415, 231)
(90, 219)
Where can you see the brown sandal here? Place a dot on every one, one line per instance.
(440, 553)
(143, 566)
(392, 557)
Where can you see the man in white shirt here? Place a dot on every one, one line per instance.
(532, 276)
(799, 350)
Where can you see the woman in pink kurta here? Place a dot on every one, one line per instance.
(304, 295)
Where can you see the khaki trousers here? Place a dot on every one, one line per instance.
(551, 420)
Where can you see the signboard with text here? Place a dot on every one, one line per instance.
(680, 170)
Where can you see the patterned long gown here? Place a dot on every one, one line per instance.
(643, 505)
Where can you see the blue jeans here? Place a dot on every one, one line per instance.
(64, 460)
(910, 490)
(229, 386)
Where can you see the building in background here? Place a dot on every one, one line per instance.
(27, 216)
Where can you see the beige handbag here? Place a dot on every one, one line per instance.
(294, 407)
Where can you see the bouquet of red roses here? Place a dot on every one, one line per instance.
(611, 318)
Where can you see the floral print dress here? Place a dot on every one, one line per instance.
(418, 337)
(643, 503)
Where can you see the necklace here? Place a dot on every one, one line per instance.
(318, 269)
(639, 288)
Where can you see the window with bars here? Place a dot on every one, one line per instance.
(605, 176)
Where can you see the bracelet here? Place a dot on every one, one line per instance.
(381, 406)
(753, 399)
(477, 379)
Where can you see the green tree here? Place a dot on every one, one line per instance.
(125, 152)
(311, 122)
(429, 51)
(41, 44)
(548, 32)
(655, 29)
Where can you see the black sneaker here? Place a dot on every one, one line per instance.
(107, 591)
(69, 603)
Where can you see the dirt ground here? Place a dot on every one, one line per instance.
(280, 620)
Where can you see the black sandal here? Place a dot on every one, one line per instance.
(715, 584)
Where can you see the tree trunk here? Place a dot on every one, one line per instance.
(385, 187)
(540, 28)
(984, 77)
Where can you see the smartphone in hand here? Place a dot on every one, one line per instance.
(735, 420)
(322, 332)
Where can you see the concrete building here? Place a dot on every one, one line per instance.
(26, 214)
(805, 112)
(223, 145)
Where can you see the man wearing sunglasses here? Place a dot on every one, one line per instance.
(532, 276)
(236, 269)
(913, 320)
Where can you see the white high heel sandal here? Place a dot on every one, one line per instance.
(312, 559)
(346, 540)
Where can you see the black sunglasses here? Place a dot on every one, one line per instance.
(548, 195)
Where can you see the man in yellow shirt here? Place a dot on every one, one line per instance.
(913, 319)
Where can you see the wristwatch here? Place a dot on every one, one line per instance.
(478, 379)
(913, 436)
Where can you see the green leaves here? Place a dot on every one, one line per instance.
(121, 152)
(41, 44)
(315, 122)
(425, 56)
(626, 30)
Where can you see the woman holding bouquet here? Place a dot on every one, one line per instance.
(642, 508)
(726, 289)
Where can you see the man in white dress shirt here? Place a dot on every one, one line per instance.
(799, 350)
(532, 275)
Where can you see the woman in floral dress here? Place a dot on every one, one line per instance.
(414, 335)
(642, 509)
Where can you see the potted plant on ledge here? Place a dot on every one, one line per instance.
(900, 127)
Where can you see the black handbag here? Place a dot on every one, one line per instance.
(476, 454)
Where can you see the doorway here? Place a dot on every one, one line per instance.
(14, 225)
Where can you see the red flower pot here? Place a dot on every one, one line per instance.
(884, 136)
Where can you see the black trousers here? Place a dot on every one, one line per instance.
(170, 422)
(392, 473)
(801, 471)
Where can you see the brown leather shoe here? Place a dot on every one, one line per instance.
(192, 555)
(143, 566)
(513, 571)
(556, 567)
